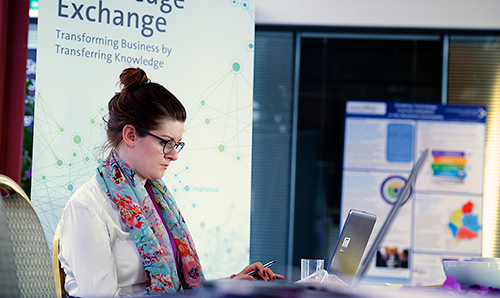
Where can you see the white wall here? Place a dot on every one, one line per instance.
(451, 14)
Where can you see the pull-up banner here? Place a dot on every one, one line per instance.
(202, 51)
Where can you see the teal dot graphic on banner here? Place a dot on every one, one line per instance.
(69, 165)
(187, 188)
(207, 122)
(193, 205)
(92, 122)
(234, 2)
(250, 46)
(203, 103)
(43, 177)
(70, 187)
(77, 139)
(221, 148)
(244, 4)
(61, 129)
(238, 158)
(59, 163)
(236, 66)
(86, 158)
(178, 178)
(74, 154)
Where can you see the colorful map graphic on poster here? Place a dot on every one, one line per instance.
(463, 224)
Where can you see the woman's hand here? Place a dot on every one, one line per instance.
(262, 273)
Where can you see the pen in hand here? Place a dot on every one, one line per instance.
(266, 265)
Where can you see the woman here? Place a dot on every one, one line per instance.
(121, 233)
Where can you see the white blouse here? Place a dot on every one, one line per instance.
(98, 254)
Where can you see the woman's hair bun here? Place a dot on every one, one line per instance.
(142, 104)
(130, 78)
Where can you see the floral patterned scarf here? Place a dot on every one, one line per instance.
(146, 228)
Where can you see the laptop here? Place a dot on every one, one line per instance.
(351, 244)
(357, 230)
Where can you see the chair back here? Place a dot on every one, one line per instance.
(32, 263)
(8, 280)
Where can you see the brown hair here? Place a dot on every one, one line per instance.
(141, 103)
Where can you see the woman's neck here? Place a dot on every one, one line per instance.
(122, 150)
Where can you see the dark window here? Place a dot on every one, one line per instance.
(332, 71)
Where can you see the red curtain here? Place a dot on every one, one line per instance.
(14, 23)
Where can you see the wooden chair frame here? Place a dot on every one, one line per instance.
(59, 275)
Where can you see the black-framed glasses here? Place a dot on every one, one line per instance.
(168, 145)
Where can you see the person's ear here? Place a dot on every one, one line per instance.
(129, 135)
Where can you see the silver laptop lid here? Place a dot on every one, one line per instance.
(351, 244)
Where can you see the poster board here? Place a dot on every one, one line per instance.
(202, 51)
(442, 217)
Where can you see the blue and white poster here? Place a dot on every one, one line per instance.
(442, 217)
(202, 51)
